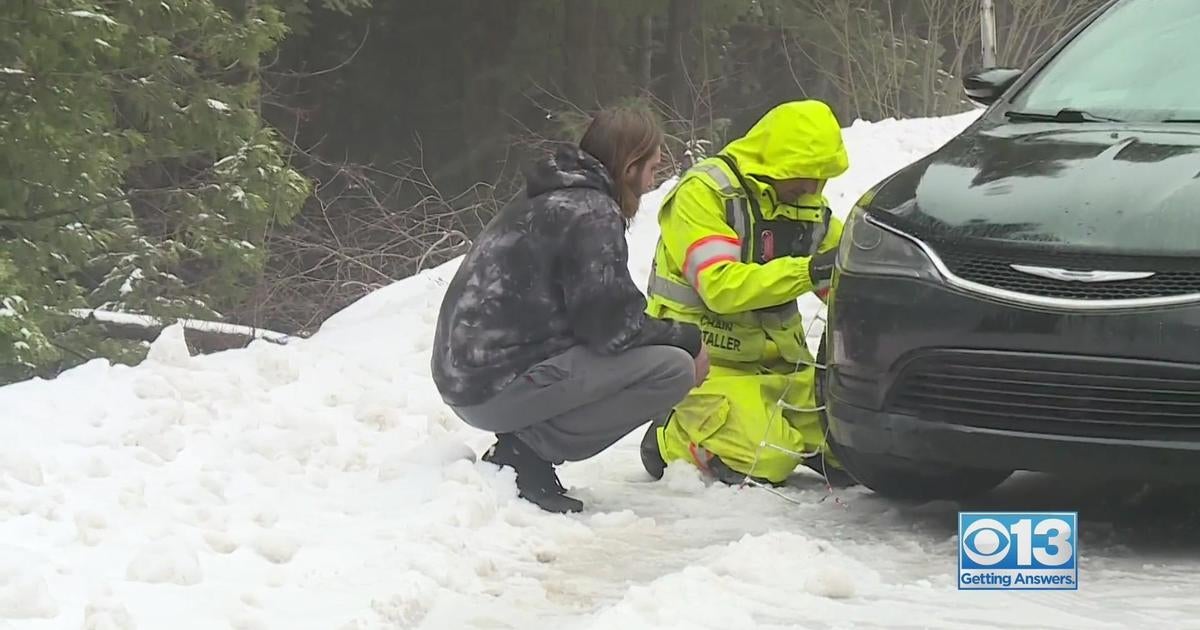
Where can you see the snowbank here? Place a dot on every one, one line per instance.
(323, 485)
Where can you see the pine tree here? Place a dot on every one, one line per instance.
(136, 173)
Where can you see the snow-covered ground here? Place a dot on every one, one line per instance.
(323, 485)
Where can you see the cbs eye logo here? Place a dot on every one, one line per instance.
(988, 542)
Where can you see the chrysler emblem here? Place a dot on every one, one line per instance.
(1069, 275)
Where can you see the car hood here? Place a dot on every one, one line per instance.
(1090, 187)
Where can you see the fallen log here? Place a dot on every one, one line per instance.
(203, 337)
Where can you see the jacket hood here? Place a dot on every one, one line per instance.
(795, 139)
(568, 167)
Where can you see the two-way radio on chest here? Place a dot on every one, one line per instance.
(771, 238)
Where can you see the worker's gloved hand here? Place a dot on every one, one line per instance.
(820, 269)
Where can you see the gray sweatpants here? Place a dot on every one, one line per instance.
(574, 405)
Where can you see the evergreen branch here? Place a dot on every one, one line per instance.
(53, 214)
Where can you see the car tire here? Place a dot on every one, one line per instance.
(899, 478)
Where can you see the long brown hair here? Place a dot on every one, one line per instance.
(621, 137)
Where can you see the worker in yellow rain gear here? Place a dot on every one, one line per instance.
(745, 233)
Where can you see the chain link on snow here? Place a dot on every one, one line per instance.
(780, 406)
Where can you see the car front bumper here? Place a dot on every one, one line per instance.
(930, 374)
(940, 443)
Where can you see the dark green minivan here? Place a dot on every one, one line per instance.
(1028, 296)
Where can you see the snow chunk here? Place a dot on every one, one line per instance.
(21, 466)
(4, 70)
(24, 593)
(170, 348)
(276, 547)
(107, 614)
(221, 542)
(431, 454)
(246, 621)
(96, 467)
(832, 582)
(9, 305)
(26, 597)
(624, 518)
(164, 563)
(828, 573)
(408, 608)
(127, 287)
(217, 105)
(90, 525)
(164, 441)
(727, 589)
(683, 478)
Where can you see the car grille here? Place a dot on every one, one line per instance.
(1067, 395)
(994, 270)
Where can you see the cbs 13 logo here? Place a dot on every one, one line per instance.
(1017, 540)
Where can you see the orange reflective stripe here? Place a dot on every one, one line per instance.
(700, 456)
(707, 252)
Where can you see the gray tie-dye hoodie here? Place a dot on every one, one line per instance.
(548, 273)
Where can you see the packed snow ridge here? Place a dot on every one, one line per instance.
(324, 485)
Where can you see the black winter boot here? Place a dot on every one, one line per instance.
(651, 457)
(834, 476)
(731, 477)
(536, 480)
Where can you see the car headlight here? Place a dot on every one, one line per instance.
(867, 248)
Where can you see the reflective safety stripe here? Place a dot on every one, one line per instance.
(819, 232)
(700, 456)
(735, 217)
(709, 251)
(722, 180)
(671, 290)
(818, 237)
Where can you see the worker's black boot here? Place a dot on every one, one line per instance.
(834, 476)
(651, 457)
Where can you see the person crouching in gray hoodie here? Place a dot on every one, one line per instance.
(542, 336)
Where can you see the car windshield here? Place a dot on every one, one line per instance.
(1138, 62)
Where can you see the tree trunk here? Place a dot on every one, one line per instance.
(682, 18)
(645, 51)
(579, 82)
(930, 79)
(490, 28)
